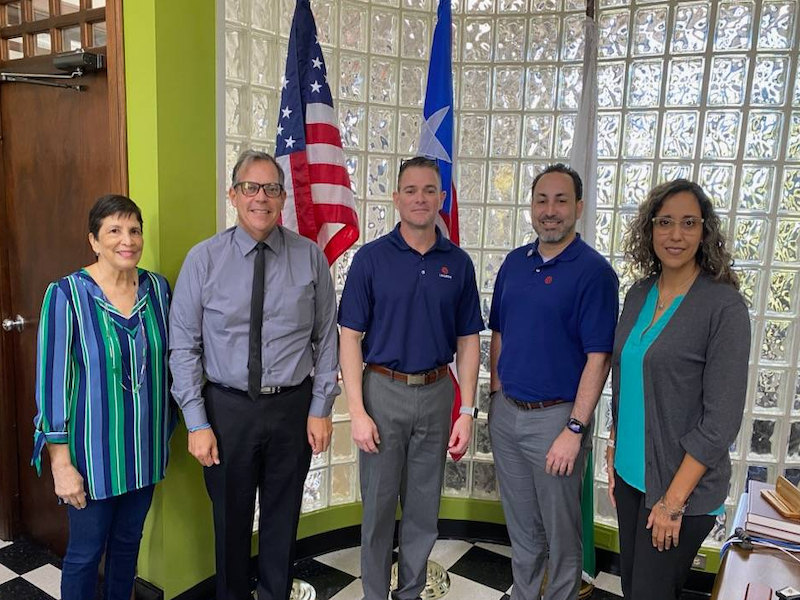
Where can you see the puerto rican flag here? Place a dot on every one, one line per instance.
(319, 200)
(436, 137)
(436, 141)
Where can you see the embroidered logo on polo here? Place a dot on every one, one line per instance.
(445, 273)
(548, 280)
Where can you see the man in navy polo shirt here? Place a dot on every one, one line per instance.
(553, 316)
(410, 303)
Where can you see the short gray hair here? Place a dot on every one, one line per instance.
(248, 157)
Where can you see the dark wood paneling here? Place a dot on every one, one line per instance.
(61, 150)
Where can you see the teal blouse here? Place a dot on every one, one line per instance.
(629, 456)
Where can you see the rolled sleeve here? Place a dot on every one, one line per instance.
(55, 372)
(325, 342)
(186, 342)
(724, 387)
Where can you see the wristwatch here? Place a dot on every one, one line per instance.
(575, 426)
(469, 410)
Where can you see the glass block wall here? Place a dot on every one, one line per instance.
(700, 89)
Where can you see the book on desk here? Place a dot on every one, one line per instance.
(757, 516)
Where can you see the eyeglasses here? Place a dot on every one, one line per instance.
(250, 188)
(688, 224)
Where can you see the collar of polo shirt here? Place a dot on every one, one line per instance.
(569, 253)
(441, 243)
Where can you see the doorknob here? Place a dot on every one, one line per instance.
(17, 323)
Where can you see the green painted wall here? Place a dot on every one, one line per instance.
(170, 88)
(171, 120)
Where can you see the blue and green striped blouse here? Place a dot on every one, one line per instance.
(102, 383)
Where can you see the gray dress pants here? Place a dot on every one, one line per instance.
(543, 512)
(414, 426)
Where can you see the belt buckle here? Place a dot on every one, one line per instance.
(270, 389)
(415, 379)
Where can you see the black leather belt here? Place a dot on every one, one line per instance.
(265, 391)
(523, 405)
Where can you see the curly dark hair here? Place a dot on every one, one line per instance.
(712, 256)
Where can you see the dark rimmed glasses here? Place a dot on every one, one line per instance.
(250, 188)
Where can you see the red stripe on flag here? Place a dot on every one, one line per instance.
(453, 224)
(304, 204)
(322, 133)
(326, 173)
(346, 236)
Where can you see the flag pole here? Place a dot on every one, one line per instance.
(587, 497)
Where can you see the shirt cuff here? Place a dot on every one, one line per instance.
(195, 415)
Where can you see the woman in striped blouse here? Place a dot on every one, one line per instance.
(102, 394)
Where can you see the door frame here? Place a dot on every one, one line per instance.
(9, 474)
(10, 524)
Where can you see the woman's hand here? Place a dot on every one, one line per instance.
(67, 481)
(610, 469)
(665, 522)
(68, 484)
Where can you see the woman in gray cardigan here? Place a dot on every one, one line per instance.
(679, 378)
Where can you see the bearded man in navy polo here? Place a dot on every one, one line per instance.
(553, 315)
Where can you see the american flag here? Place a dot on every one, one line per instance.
(319, 201)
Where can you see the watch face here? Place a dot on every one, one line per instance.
(574, 426)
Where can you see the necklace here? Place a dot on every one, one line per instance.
(662, 302)
(135, 387)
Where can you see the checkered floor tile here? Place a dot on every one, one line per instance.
(477, 572)
(27, 572)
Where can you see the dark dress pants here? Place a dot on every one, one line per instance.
(646, 573)
(263, 446)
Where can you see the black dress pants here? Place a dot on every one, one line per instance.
(646, 573)
(262, 445)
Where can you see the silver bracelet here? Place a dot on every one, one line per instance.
(673, 514)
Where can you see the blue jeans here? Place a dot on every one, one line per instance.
(113, 526)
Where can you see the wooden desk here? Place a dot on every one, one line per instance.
(762, 565)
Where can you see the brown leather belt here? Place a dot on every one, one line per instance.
(425, 378)
(522, 405)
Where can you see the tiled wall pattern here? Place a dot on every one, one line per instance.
(701, 89)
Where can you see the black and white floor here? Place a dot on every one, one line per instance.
(28, 572)
(478, 571)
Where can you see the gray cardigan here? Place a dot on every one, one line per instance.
(695, 384)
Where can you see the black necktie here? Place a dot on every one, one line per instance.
(256, 321)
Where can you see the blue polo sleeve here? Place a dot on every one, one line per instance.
(497, 299)
(355, 307)
(468, 315)
(598, 311)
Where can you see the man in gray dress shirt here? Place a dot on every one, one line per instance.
(241, 375)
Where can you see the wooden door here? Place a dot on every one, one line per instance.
(61, 149)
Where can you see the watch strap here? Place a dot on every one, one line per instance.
(469, 410)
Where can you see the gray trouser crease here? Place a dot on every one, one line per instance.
(543, 512)
(414, 426)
